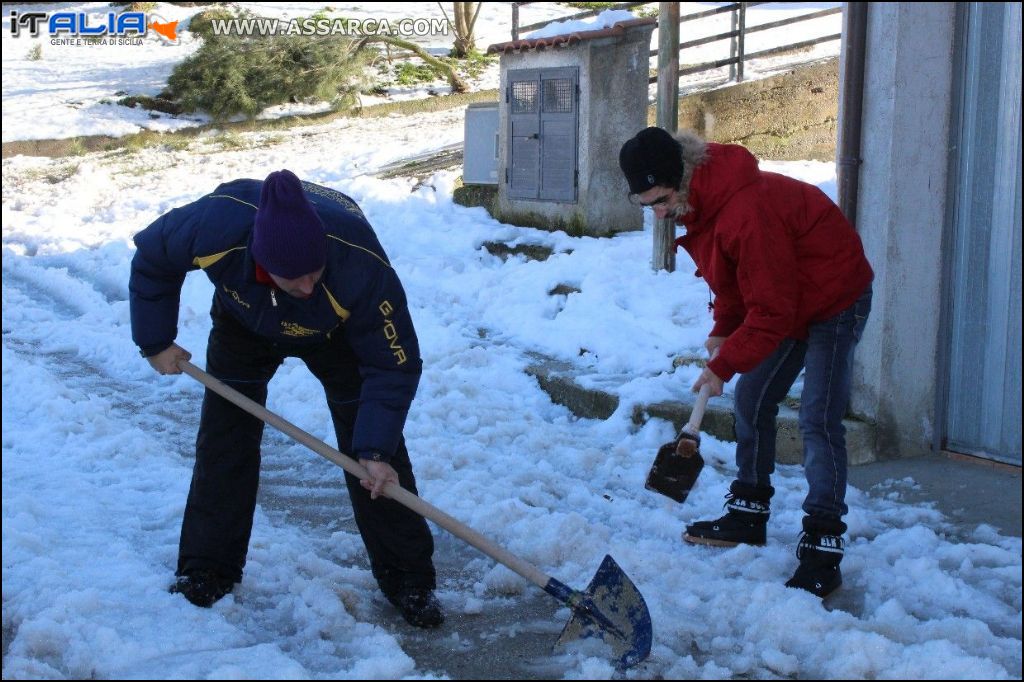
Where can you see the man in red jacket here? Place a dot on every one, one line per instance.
(792, 292)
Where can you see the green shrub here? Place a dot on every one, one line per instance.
(599, 6)
(474, 63)
(202, 22)
(231, 75)
(76, 147)
(135, 6)
(407, 73)
(158, 103)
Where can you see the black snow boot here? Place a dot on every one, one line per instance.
(745, 520)
(202, 587)
(820, 550)
(418, 606)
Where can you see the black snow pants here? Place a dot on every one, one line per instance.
(222, 498)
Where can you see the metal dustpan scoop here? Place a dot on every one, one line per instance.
(679, 463)
(612, 609)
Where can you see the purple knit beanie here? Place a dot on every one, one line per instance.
(289, 239)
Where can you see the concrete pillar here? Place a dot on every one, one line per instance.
(901, 218)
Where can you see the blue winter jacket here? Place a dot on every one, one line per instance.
(359, 295)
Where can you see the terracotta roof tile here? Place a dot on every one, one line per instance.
(567, 39)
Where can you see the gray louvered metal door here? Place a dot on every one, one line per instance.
(524, 134)
(543, 140)
(984, 399)
(558, 89)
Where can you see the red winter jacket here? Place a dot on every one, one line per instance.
(777, 253)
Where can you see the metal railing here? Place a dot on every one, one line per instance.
(737, 35)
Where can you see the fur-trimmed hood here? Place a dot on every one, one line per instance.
(694, 153)
(706, 187)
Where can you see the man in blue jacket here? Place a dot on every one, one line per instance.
(298, 272)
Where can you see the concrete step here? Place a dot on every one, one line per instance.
(559, 380)
(425, 164)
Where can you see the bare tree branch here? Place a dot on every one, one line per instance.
(441, 5)
(472, 24)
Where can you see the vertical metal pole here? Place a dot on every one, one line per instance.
(515, 21)
(739, 41)
(851, 103)
(733, 43)
(664, 254)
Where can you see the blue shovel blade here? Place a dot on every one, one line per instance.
(612, 609)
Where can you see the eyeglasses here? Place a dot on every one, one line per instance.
(657, 203)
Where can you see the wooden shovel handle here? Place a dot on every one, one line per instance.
(697, 416)
(351, 465)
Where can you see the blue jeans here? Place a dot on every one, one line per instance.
(827, 354)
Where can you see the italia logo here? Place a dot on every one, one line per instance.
(96, 26)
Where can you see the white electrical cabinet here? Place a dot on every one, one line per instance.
(480, 156)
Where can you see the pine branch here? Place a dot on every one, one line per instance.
(458, 85)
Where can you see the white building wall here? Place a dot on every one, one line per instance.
(901, 218)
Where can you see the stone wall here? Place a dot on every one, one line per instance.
(790, 116)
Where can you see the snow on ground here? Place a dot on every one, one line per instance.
(72, 90)
(97, 449)
(97, 455)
